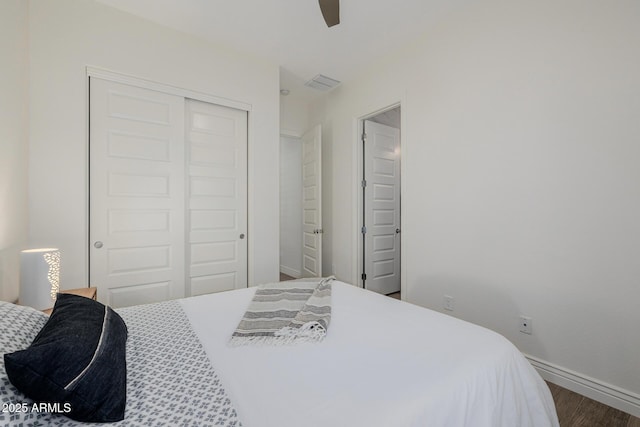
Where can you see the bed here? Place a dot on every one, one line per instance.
(383, 362)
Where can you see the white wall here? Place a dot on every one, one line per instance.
(14, 133)
(68, 35)
(520, 164)
(291, 206)
(294, 115)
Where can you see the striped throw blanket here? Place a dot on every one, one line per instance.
(286, 313)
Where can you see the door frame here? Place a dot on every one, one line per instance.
(358, 202)
(114, 76)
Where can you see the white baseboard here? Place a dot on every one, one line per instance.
(290, 272)
(610, 395)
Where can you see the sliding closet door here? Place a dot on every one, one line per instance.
(216, 139)
(137, 181)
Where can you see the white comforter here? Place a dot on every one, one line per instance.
(383, 363)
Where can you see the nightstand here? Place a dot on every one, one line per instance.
(91, 293)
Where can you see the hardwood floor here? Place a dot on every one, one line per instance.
(575, 410)
(395, 295)
(284, 277)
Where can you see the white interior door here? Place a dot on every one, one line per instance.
(137, 241)
(382, 208)
(216, 139)
(312, 203)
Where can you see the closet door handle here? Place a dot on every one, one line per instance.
(98, 244)
(242, 236)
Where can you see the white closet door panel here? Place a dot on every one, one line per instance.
(149, 293)
(217, 197)
(136, 194)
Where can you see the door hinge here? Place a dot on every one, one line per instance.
(363, 276)
(364, 183)
(364, 136)
(363, 230)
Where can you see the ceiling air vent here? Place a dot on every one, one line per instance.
(322, 83)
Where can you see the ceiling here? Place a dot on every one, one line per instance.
(292, 33)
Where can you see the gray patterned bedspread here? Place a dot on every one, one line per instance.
(170, 380)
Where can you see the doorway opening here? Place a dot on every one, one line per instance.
(380, 213)
(301, 205)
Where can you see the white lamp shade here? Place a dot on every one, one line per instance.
(39, 277)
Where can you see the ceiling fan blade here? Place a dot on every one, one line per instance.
(330, 11)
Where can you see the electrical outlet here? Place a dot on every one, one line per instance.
(526, 325)
(448, 302)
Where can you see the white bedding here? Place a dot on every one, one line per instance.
(383, 363)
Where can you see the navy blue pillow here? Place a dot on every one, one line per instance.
(77, 358)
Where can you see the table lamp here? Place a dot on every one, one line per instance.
(39, 277)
